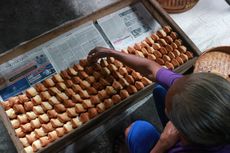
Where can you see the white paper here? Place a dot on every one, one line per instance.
(207, 24)
(129, 25)
(67, 49)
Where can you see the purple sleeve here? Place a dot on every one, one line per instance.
(167, 77)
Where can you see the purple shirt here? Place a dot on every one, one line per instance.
(166, 78)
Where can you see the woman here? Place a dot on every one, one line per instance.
(197, 109)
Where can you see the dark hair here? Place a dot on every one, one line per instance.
(201, 109)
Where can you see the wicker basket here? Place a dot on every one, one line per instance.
(177, 6)
(215, 60)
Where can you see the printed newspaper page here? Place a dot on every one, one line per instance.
(74, 45)
(53, 56)
(128, 25)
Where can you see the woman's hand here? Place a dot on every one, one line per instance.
(98, 52)
(170, 135)
(168, 139)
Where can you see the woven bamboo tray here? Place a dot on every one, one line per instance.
(177, 6)
(215, 60)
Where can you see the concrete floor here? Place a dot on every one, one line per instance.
(22, 20)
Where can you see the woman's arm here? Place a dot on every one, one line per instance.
(144, 66)
(169, 137)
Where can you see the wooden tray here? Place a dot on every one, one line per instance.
(156, 11)
(215, 60)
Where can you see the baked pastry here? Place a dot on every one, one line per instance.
(103, 62)
(156, 46)
(65, 75)
(52, 113)
(175, 63)
(83, 75)
(90, 79)
(48, 83)
(180, 60)
(71, 71)
(91, 91)
(163, 50)
(19, 133)
(59, 108)
(129, 79)
(130, 49)
(150, 50)
(178, 42)
(76, 88)
(123, 82)
(87, 104)
(46, 106)
(38, 110)
(149, 40)
(144, 51)
(57, 78)
(62, 96)
(131, 89)
(39, 132)
(83, 94)
(176, 52)
(168, 39)
(56, 123)
(84, 84)
(102, 94)
(182, 49)
(31, 137)
(123, 71)
(184, 57)
(169, 65)
(112, 67)
(96, 75)
(76, 122)
(92, 112)
(53, 100)
(138, 53)
(78, 67)
(174, 45)
(6, 105)
(79, 108)
(95, 99)
(36, 145)
(116, 98)
(151, 57)
(166, 58)
(36, 100)
(96, 66)
(24, 142)
(116, 85)
(110, 90)
(61, 86)
(161, 33)
(137, 46)
(100, 107)
(28, 149)
(171, 55)
(71, 112)
(162, 42)
(54, 91)
(22, 118)
(47, 127)
(45, 95)
(31, 92)
(52, 136)
(136, 75)
(83, 62)
(69, 83)
(68, 127)
(60, 131)
(169, 48)
(116, 75)
(84, 117)
(160, 61)
(23, 98)
(173, 35)
(189, 54)
(124, 94)
(104, 82)
(26, 128)
(31, 115)
(105, 71)
(13, 100)
(108, 103)
(19, 109)
(76, 98)
(117, 63)
(28, 106)
(11, 113)
(44, 118)
(98, 86)
(146, 81)
(89, 70)
(40, 87)
(63, 117)
(35, 123)
(69, 92)
(68, 103)
(139, 85)
(44, 141)
(15, 123)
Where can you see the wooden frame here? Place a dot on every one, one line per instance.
(156, 11)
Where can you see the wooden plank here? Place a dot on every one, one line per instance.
(6, 121)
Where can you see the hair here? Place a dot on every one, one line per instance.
(201, 109)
